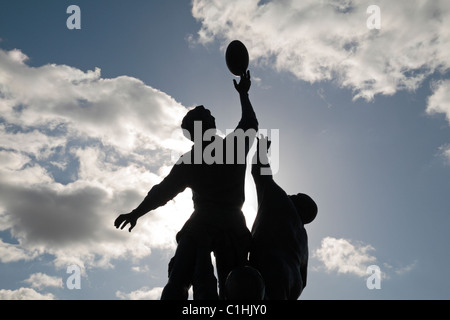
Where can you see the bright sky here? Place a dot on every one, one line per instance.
(89, 122)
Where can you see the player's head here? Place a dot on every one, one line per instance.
(244, 283)
(201, 114)
(306, 207)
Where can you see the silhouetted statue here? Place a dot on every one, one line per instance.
(280, 243)
(217, 223)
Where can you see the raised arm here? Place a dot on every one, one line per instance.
(260, 161)
(248, 119)
(158, 196)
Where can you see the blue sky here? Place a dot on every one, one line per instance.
(90, 120)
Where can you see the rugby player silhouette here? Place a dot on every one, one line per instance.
(280, 243)
(217, 223)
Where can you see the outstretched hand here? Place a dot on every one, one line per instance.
(244, 84)
(124, 219)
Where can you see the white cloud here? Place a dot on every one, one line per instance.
(445, 151)
(18, 168)
(24, 294)
(141, 294)
(12, 253)
(33, 143)
(342, 256)
(17, 56)
(350, 257)
(122, 112)
(41, 280)
(76, 150)
(12, 160)
(140, 268)
(329, 40)
(439, 101)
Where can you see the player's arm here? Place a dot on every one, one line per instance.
(158, 196)
(261, 170)
(248, 119)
